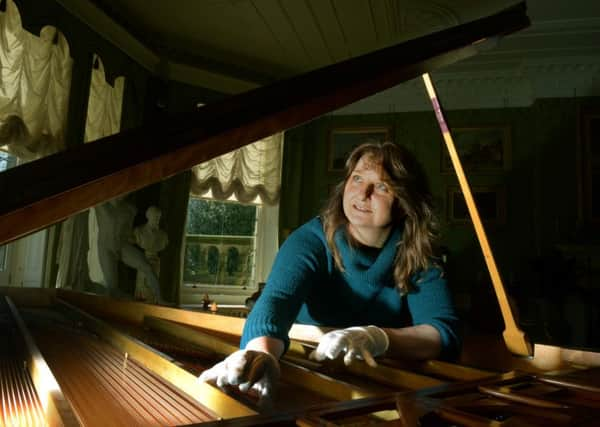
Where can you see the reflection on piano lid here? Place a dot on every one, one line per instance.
(94, 174)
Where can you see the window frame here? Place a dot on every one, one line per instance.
(24, 259)
(266, 229)
(6, 162)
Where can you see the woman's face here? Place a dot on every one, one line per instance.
(367, 202)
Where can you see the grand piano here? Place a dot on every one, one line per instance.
(73, 358)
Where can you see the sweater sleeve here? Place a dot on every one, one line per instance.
(300, 260)
(430, 303)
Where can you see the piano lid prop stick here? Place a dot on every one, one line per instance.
(516, 340)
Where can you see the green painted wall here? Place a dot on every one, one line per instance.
(541, 192)
(542, 183)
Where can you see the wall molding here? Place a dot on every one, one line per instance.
(551, 58)
(103, 25)
(517, 84)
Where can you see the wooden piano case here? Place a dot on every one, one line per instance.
(79, 359)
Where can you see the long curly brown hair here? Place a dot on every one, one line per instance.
(412, 205)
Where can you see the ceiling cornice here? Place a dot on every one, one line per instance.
(507, 85)
(551, 59)
(545, 46)
(97, 20)
(565, 26)
(104, 26)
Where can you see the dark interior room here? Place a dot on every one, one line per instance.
(155, 156)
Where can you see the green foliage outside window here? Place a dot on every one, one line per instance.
(220, 218)
(220, 243)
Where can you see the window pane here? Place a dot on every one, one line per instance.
(7, 161)
(220, 243)
(220, 218)
(2, 258)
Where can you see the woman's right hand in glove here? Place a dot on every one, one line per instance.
(247, 369)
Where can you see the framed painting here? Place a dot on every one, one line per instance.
(490, 202)
(480, 149)
(343, 140)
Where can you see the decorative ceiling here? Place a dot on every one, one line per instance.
(234, 45)
(278, 38)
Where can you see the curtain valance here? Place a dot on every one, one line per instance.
(251, 171)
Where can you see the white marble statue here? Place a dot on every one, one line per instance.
(110, 241)
(152, 240)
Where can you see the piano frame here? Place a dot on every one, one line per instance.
(93, 176)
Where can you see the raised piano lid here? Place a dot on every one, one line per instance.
(81, 177)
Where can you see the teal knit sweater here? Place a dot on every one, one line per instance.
(305, 287)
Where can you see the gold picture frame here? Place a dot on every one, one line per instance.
(482, 150)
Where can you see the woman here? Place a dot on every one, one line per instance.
(366, 261)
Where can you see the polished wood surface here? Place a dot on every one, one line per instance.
(511, 399)
(209, 397)
(56, 410)
(106, 387)
(81, 350)
(135, 312)
(112, 350)
(489, 352)
(20, 403)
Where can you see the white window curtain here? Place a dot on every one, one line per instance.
(103, 119)
(34, 87)
(104, 105)
(251, 171)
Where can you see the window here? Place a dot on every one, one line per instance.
(231, 243)
(6, 162)
(221, 243)
(3, 258)
(105, 104)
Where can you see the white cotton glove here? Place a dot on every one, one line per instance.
(358, 342)
(247, 369)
